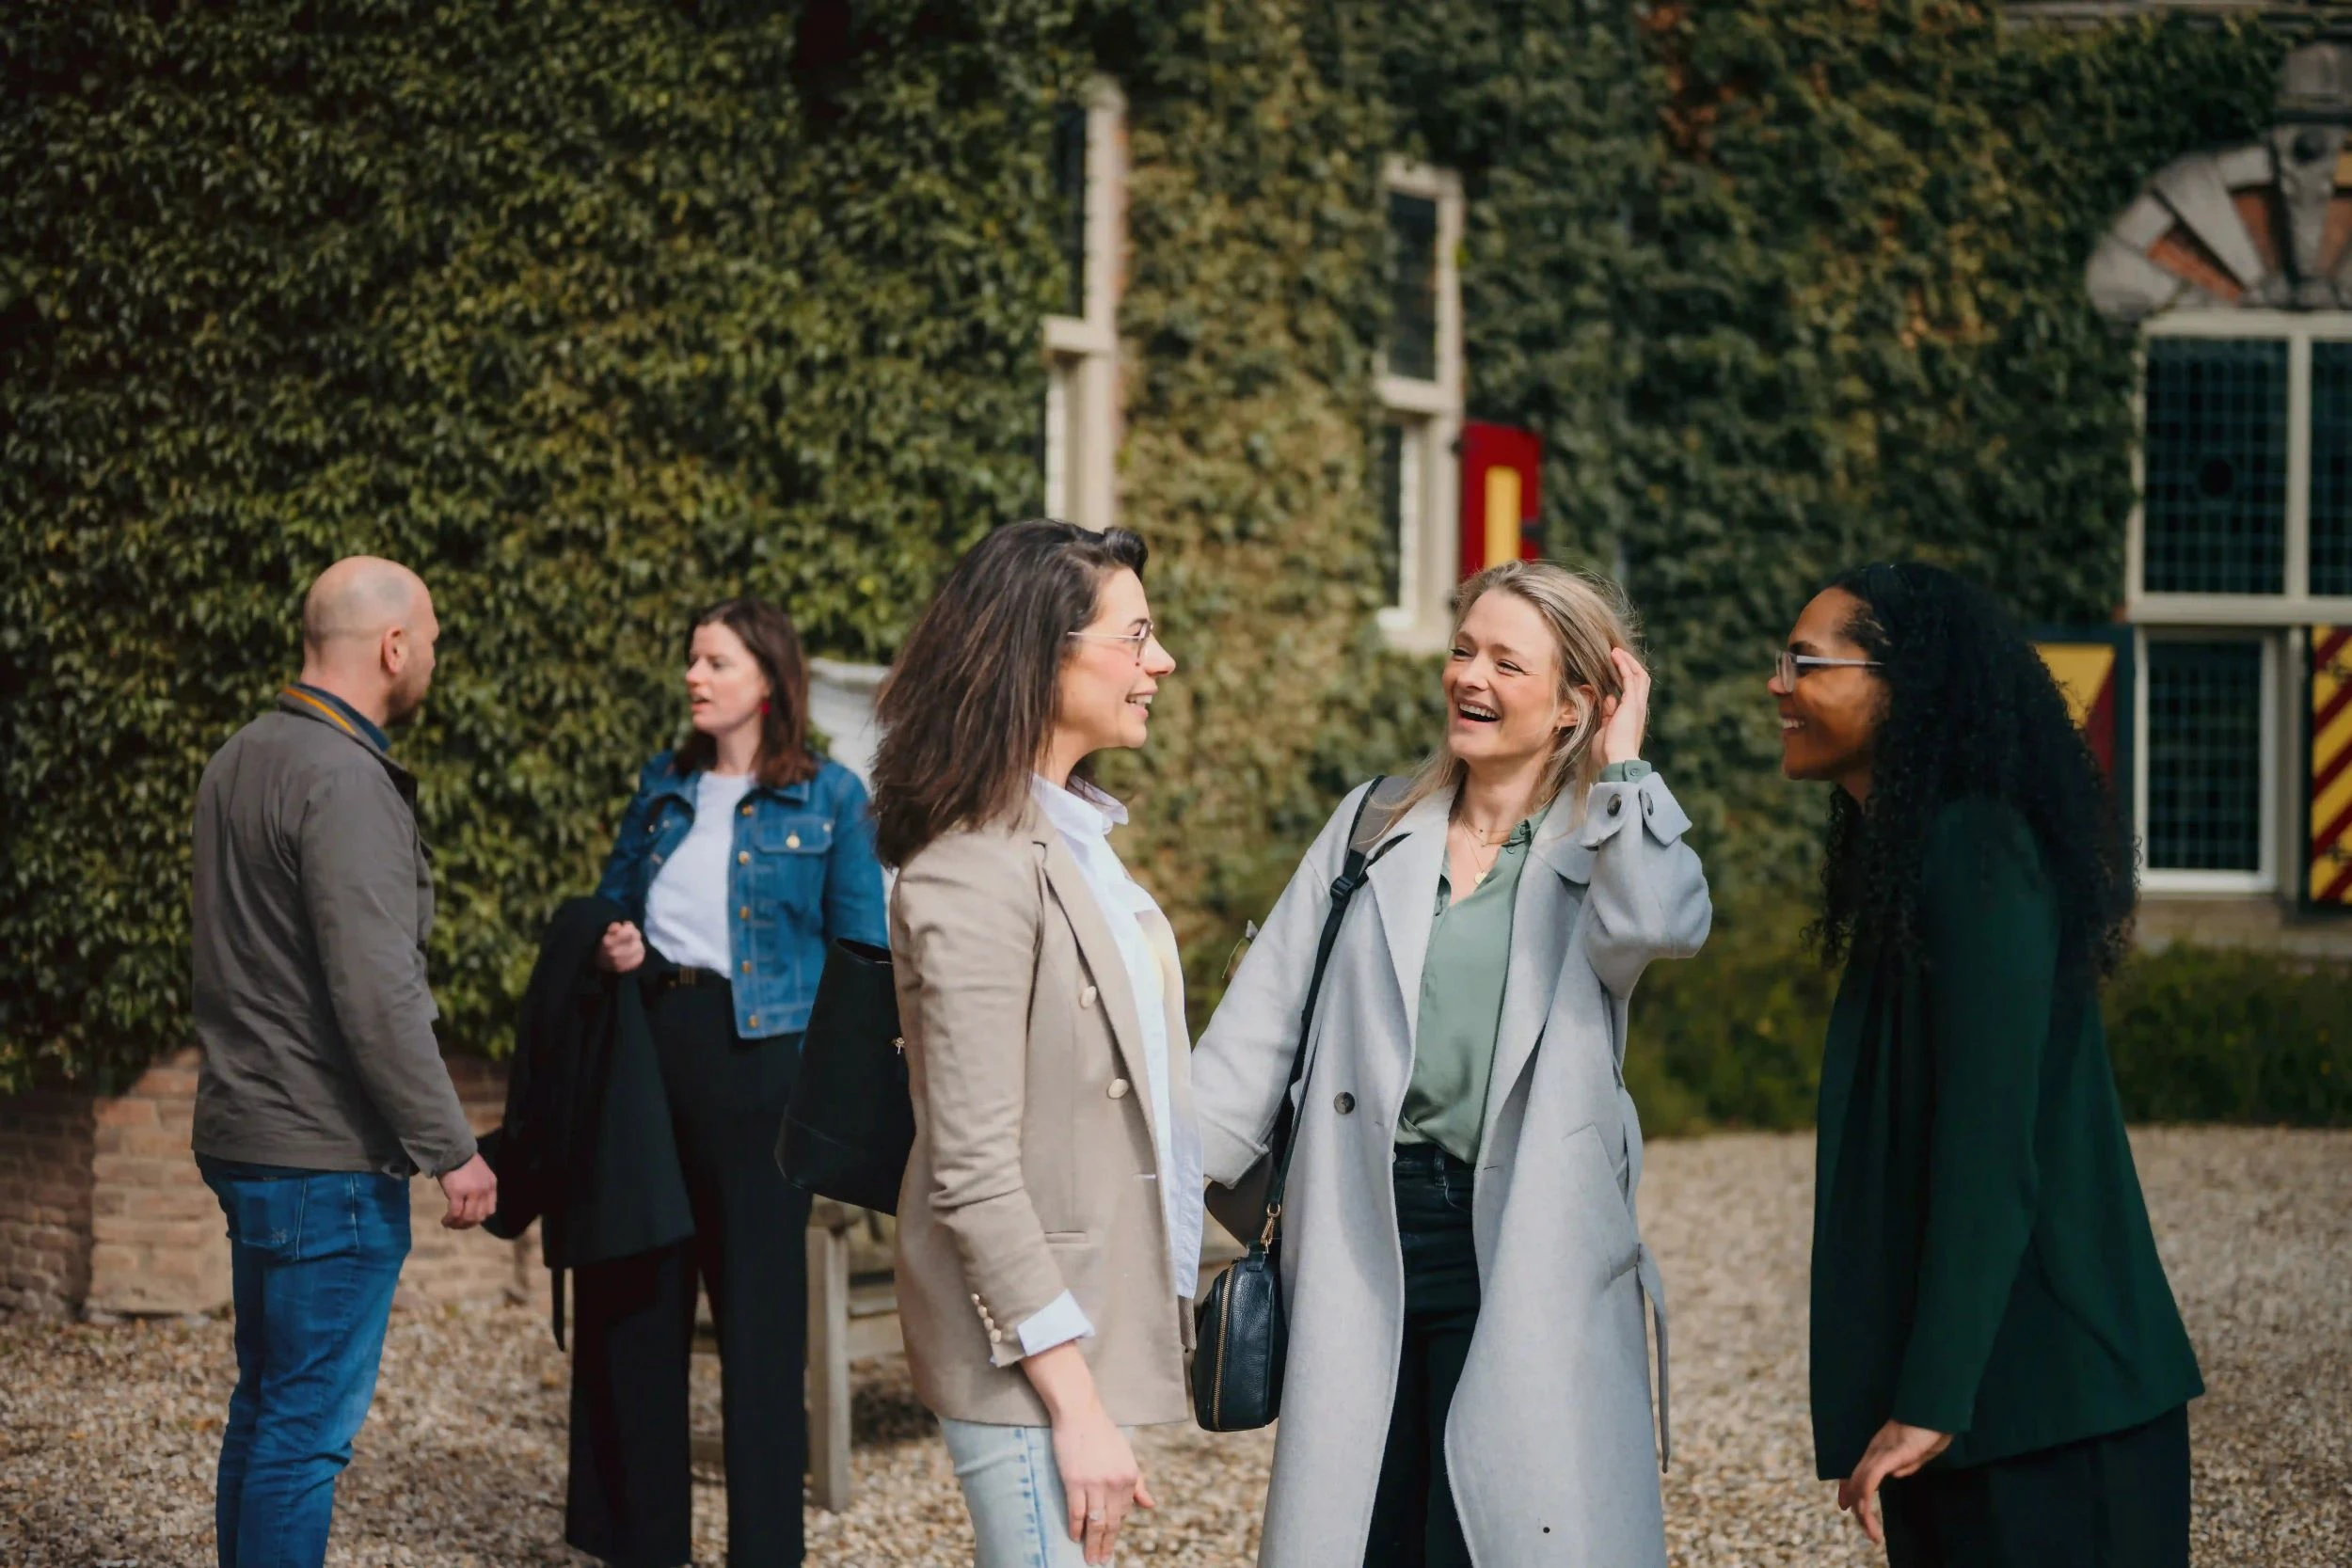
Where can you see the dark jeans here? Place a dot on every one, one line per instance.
(631, 1492)
(2117, 1501)
(1413, 1521)
(314, 1257)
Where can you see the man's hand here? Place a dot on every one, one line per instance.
(473, 1191)
(1896, 1450)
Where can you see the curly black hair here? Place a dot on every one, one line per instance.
(1970, 712)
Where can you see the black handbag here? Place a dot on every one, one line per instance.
(850, 1123)
(1243, 1331)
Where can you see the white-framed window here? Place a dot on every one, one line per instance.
(2244, 470)
(1081, 457)
(2209, 785)
(2241, 538)
(1420, 397)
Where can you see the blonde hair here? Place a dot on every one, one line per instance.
(1587, 616)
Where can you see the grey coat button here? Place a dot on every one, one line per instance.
(1617, 804)
(1344, 1102)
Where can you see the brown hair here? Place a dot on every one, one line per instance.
(775, 647)
(970, 706)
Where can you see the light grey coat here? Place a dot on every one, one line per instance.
(1548, 1441)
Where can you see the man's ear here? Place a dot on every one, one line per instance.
(392, 651)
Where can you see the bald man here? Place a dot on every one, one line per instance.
(323, 1089)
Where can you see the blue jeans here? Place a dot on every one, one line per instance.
(314, 1259)
(1013, 1490)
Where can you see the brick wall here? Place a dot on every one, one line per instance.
(155, 1233)
(102, 1208)
(44, 1201)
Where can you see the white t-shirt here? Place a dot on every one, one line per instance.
(686, 908)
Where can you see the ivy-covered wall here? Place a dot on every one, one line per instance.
(594, 308)
(590, 310)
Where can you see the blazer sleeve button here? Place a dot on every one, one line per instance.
(1342, 1103)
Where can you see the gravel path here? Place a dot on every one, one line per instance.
(107, 1434)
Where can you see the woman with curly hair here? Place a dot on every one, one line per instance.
(1997, 1356)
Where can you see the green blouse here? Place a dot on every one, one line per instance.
(1461, 1005)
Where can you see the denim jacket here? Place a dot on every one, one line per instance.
(802, 873)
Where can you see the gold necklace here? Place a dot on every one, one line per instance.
(1494, 853)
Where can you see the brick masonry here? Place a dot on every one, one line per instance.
(102, 1209)
(45, 1141)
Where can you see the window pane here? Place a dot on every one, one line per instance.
(1389, 476)
(2332, 467)
(1070, 200)
(2204, 755)
(1412, 286)
(2217, 467)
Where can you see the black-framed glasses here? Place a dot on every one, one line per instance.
(1138, 641)
(1789, 666)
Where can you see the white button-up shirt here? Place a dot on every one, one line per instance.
(1083, 816)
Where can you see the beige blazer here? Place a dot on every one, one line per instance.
(1036, 1167)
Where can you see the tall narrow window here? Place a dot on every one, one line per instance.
(1089, 163)
(1415, 465)
(2206, 743)
(1412, 286)
(2215, 487)
(1070, 197)
(2332, 469)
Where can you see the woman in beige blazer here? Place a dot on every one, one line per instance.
(1049, 1223)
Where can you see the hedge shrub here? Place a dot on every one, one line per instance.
(1733, 1039)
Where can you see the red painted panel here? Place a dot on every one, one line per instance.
(1489, 537)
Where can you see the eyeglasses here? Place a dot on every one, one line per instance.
(1139, 641)
(1789, 666)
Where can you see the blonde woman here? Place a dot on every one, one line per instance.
(1467, 1379)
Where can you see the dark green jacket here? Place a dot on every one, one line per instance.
(1983, 1263)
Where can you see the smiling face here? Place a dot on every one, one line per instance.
(1502, 688)
(1104, 693)
(1829, 716)
(724, 687)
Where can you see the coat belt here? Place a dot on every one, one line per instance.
(1654, 1291)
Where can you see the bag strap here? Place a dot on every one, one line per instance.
(1352, 875)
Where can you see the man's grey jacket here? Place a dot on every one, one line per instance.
(313, 899)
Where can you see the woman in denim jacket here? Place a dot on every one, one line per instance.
(743, 856)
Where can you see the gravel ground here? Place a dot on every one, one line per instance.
(107, 1434)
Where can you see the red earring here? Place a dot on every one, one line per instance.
(763, 707)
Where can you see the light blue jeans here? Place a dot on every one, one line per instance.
(1013, 1490)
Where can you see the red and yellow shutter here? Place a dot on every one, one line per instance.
(2088, 668)
(2332, 766)
(1501, 503)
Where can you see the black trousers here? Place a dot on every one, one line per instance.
(2117, 1501)
(631, 1495)
(1414, 1524)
